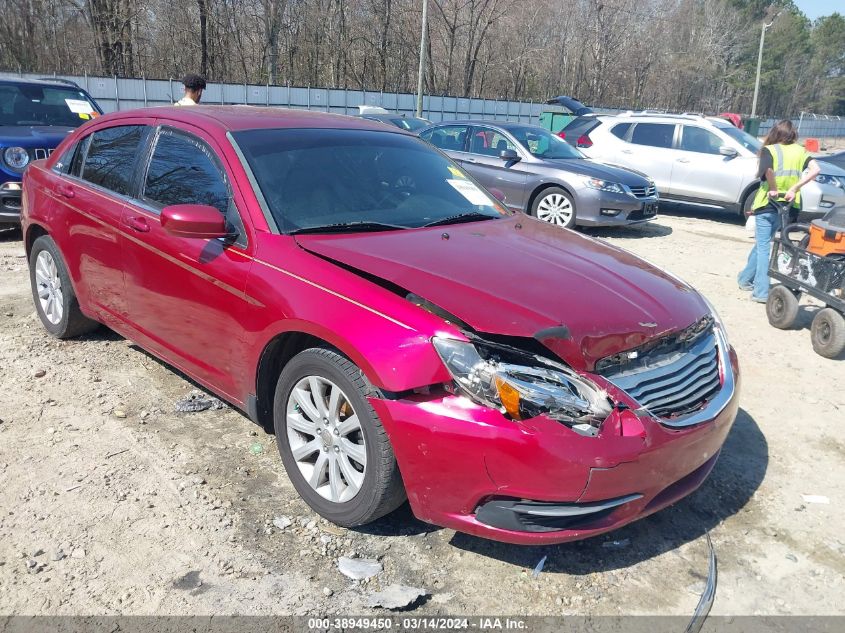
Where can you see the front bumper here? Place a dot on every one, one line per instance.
(10, 206)
(466, 467)
(589, 204)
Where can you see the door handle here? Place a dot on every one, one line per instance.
(137, 223)
(469, 160)
(66, 190)
(684, 160)
(627, 151)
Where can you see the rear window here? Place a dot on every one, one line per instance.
(653, 134)
(110, 160)
(34, 104)
(620, 130)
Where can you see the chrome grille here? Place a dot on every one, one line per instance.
(644, 192)
(674, 384)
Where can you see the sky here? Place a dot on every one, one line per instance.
(816, 8)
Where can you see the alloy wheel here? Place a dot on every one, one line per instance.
(325, 438)
(555, 208)
(49, 287)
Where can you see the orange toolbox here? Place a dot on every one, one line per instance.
(827, 235)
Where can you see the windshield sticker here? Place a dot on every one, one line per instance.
(468, 190)
(456, 172)
(78, 106)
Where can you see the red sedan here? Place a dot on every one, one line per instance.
(356, 293)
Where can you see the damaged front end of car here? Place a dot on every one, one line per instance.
(524, 385)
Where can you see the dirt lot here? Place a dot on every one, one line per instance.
(111, 502)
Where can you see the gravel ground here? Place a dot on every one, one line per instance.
(111, 502)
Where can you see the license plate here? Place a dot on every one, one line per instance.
(650, 210)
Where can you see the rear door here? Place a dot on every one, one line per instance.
(483, 162)
(98, 183)
(187, 300)
(701, 173)
(651, 151)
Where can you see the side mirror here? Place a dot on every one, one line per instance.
(497, 193)
(194, 220)
(508, 155)
(727, 150)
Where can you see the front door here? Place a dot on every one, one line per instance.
(484, 163)
(701, 173)
(187, 294)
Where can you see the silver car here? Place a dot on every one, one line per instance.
(704, 161)
(540, 174)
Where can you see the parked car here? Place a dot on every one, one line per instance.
(543, 176)
(35, 116)
(837, 159)
(703, 161)
(408, 123)
(404, 335)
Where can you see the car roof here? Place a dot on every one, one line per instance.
(235, 118)
(505, 125)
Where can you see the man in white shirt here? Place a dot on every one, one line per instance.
(194, 85)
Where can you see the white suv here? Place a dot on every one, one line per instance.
(697, 160)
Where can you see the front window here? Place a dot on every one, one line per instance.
(742, 137)
(32, 104)
(696, 139)
(542, 143)
(337, 179)
(487, 142)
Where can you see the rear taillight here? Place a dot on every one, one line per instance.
(562, 135)
(584, 141)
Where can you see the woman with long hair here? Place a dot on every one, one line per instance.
(782, 163)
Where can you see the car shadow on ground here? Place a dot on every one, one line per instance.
(636, 231)
(722, 216)
(737, 475)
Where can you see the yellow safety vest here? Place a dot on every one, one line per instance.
(787, 163)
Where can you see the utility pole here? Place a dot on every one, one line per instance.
(760, 63)
(422, 58)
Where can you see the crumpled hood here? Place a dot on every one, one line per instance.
(517, 276)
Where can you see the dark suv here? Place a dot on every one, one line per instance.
(35, 116)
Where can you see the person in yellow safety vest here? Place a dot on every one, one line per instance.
(782, 162)
(194, 85)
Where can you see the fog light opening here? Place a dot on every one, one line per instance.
(611, 212)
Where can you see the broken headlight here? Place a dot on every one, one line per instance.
(524, 391)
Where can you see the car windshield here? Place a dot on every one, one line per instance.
(742, 137)
(23, 104)
(542, 143)
(411, 124)
(355, 180)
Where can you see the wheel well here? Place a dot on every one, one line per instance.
(749, 191)
(35, 231)
(540, 190)
(275, 356)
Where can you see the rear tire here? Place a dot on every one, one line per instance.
(555, 206)
(782, 308)
(747, 202)
(828, 333)
(332, 443)
(53, 294)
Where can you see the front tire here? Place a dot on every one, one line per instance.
(555, 206)
(332, 443)
(782, 308)
(827, 333)
(53, 294)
